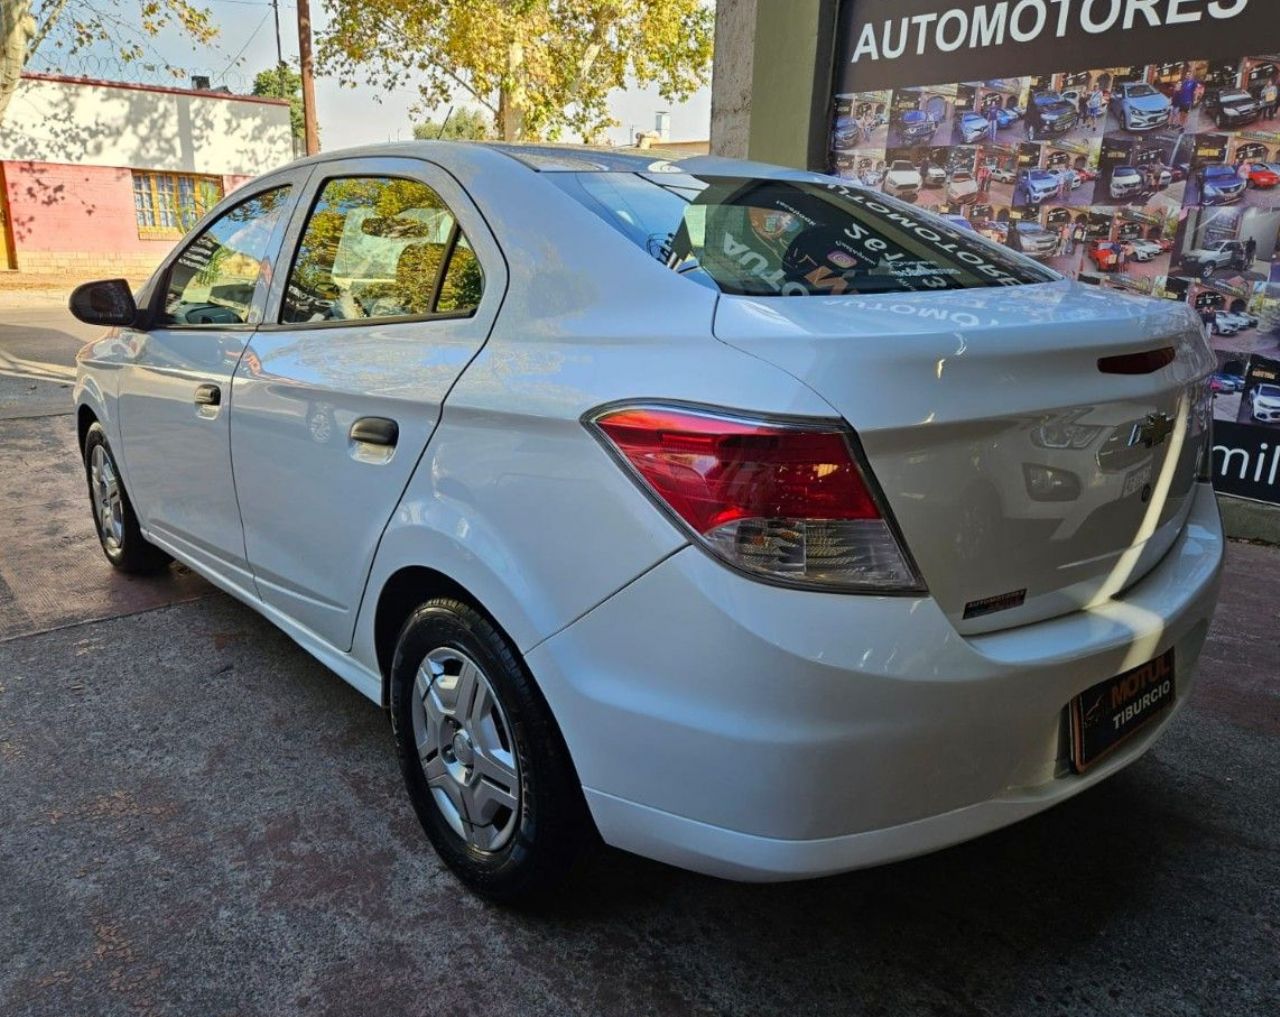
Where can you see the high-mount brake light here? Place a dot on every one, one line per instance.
(780, 500)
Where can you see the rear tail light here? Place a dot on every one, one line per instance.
(782, 501)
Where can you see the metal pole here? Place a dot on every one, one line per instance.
(308, 85)
(275, 9)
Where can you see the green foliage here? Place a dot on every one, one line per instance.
(283, 82)
(463, 124)
(540, 67)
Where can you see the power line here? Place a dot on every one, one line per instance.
(252, 35)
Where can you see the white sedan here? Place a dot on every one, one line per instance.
(1264, 401)
(755, 521)
(1145, 250)
(962, 188)
(903, 180)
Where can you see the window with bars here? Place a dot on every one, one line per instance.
(169, 204)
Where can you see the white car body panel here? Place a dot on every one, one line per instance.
(194, 508)
(498, 487)
(924, 413)
(296, 397)
(788, 684)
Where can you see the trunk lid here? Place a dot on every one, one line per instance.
(1026, 481)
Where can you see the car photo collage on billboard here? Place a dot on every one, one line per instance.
(1158, 179)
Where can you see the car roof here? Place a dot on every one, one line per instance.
(465, 156)
(560, 159)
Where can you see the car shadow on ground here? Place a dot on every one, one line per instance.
(1066, 871)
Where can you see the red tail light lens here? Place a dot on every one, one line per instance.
(787, 502)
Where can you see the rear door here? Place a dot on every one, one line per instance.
(391, 284)
(175, 394)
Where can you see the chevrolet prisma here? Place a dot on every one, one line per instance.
(748, 519)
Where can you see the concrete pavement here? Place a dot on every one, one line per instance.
(39, 338)
(197, 819)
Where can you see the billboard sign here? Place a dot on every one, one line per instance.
(1159, 178)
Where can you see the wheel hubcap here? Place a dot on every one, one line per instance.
(465, 749)
(105, 486)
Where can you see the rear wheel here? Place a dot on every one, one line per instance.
(482, 759)
(113, 516)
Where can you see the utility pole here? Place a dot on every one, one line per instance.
(308, 84)
(275, 9)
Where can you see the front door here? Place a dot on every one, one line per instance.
(391, 290)
(175, 395)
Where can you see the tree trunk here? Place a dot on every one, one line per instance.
(17, 28)
(511, 98)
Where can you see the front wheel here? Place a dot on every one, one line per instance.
(113, 516)
(483, 761)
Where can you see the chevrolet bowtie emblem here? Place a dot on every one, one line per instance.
(1152, 430)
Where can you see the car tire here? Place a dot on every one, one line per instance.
(533, 833)
(116, 523)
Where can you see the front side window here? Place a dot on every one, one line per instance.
(767, 237)
(213, 281)
(379, 248)
(169, 204)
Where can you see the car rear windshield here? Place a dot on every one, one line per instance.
(770, 237)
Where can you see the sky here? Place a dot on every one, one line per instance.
(348, 116)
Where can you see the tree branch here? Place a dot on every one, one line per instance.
(42, 30)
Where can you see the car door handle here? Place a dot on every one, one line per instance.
(375, 431)
(208, 395)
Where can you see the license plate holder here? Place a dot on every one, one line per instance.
(1105, 715)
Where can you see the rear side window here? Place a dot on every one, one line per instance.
(378, 249)
(773, 237)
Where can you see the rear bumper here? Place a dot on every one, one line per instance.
(753, 732)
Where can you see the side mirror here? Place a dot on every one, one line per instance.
(106, 302)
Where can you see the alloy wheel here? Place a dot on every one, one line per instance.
(107, 504)
(466, 749)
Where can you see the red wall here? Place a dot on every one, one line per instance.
(66, 216)
(56, 207)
